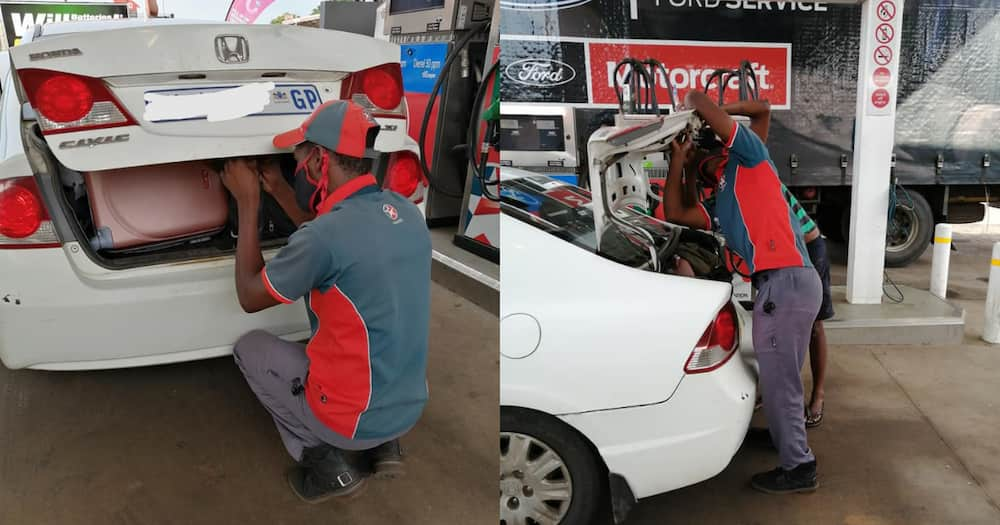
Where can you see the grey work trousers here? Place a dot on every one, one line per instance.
(785, 308)
(270, 365)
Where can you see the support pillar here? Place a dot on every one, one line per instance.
(878, 65)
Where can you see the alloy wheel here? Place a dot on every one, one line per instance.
(535, 484)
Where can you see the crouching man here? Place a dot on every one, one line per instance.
(363, 264)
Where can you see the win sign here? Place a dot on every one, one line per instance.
(20, 19)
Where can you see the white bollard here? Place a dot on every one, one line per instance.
(991, 326)
(939, 262)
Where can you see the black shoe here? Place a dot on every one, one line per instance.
(325, 473)
(387, 460)
(760, 438)
(780, 481)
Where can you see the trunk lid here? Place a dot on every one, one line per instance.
(167, 92)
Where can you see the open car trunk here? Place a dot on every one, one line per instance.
(127, 129)
(635, 240)
(145, 215)
(143, 102)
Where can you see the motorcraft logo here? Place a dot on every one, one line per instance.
(540, 72)
(541, 5)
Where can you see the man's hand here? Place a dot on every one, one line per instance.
(273, 181)
(759, 112)
(275, 184)
(720, 121)
(681, 148)
(241, 179)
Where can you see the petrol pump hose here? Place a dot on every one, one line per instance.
(479, 159)
(422, 137)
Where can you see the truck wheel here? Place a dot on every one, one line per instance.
(548, 473)
(910, 231)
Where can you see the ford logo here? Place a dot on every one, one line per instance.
(540, 72)
(541, 5)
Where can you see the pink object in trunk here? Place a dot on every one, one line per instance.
(157, 203)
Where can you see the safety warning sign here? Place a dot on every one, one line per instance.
(883, 55)
(880, 98)
(884, 33)
(881, 76)
(886, 10)
(882, 22)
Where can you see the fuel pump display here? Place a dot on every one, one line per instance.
(540, 139)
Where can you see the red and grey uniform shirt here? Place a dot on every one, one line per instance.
(363, 264)
(750, 208)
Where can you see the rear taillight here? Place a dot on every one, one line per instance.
(404, 176)
(67, 102)
(24, 221)
(717, 344)
(379, 88)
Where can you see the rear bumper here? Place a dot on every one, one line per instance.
(64, 312)
(685, 440)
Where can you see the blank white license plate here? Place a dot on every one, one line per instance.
(286, 99)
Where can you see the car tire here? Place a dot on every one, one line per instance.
(525, 436)
(917, 219)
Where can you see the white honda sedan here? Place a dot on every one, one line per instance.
(74, 102)
(617, 378)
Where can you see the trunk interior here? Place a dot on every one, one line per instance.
(146, 215)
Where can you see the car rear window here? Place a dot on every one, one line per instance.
(566, 211)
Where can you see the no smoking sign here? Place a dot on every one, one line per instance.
(883, 55)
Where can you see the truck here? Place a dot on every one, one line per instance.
(805, 58)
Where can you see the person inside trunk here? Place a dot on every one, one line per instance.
(342, 401)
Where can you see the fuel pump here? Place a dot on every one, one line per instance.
(442, 50)
(479, 227)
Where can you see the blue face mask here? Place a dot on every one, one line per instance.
(309, 192)
(305, 190)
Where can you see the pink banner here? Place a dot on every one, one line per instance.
(246, 11)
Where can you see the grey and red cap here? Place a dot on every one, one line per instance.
(339, 126)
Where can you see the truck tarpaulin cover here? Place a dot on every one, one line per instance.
(246, 11)
(20, 18)
(805, 55)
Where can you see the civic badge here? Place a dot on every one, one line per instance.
(390, 211)
(232, 49)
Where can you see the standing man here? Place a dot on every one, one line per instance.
(760, 227)
(341, 402)
(760, 121)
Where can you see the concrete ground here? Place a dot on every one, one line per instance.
(911, 434)
(189, 443)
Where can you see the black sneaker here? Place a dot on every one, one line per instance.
(387, 460)
(325, 473)
(780, 481)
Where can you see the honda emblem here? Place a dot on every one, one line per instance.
(232, 49)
